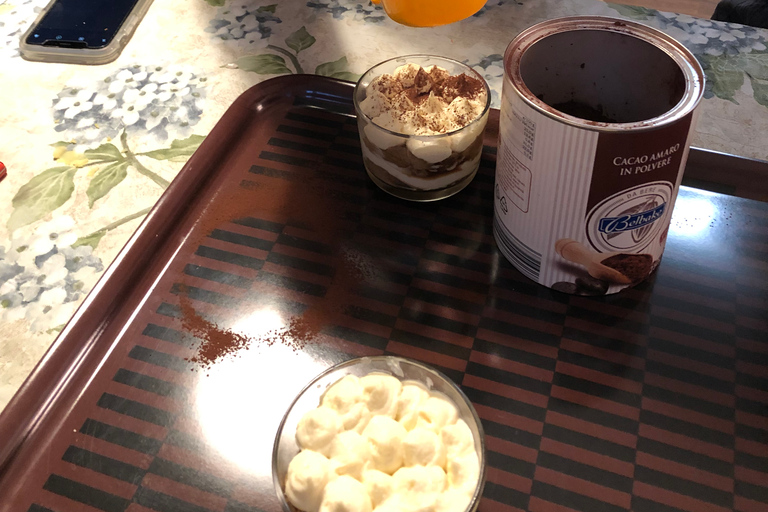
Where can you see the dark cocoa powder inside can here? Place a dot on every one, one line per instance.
(584, 111)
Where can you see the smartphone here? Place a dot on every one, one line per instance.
(82, 31)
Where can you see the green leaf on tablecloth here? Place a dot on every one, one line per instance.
(336, 69)
(41, 195)
(268, 8)
(93, 239)
(725, 74)
(216, 3)
(300, 40)
(180, 150)
(105, 153)
(264, 64)
(755, 66)
(105, 180)
(633, 12)
(760, 88)
(56, 329)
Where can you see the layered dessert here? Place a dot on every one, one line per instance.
(421, 128)
(376, 443)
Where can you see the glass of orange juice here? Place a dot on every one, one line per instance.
(429, 13)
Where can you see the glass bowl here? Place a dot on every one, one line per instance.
(420, 167)
(286, 447)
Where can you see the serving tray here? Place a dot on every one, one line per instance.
(272, 256)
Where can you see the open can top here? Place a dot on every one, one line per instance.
(637, 76)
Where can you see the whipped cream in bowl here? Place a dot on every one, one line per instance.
(421, 120)
(380, 433)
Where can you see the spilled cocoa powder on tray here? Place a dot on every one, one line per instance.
(303, 202)
(215, 343)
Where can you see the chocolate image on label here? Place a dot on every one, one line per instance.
(601, 270)
(635, 266)
(592, 261)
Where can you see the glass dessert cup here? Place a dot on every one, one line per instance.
(286, 447)
(421, 167)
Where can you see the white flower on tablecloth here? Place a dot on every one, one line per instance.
(14, 22)
(490, 4)
(491, 68)
(42, 277)
(105, 100)
(244, 23)
(706, 37)
(49, 311)
(356, 10)
(707, 40)
(165, 101)
(77, 102)
(125, 79)
(127, 115)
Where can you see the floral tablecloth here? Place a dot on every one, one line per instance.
(90, 149)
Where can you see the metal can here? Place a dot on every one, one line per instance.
(595, 125)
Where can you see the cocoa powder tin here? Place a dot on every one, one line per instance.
(596, 119)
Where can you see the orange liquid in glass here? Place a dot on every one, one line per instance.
(430, 13)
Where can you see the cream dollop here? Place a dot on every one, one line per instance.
(349, 452)
(418, 488)
(422, 447)
(346, 398)
(308, 474)
(463, 472)
(317, 428)
(452, 500)
(380, 486)
(437, 412)
(381, 393)
(458, 439)
(412, 396)
(385, 438)
(419, 479)
(345, 494)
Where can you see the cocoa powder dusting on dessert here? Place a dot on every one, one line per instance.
(462, 85)
(445, 87)
(635, 266)
(413, 86)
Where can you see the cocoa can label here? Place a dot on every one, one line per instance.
(634, 182)
(581, 210)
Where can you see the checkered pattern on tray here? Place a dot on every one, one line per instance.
(653, 400)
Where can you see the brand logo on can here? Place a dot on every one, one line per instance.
(629, 220)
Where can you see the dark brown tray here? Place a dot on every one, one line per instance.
(650, 400)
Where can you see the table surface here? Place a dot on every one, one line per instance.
(90, 149)
(274, 256)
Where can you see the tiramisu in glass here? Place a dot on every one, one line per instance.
(421, 120)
